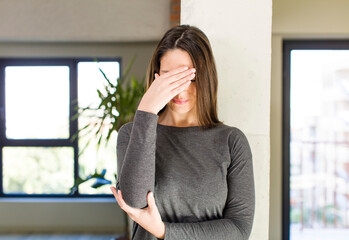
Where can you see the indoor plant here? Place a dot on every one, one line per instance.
(117, 105)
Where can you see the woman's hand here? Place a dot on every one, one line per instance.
(164, 88)
(149, 218)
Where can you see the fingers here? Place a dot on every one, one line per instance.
(189, 73)
(113, 189)
(122, 203)
(179, 82)
(183, 80)
(180, 88)
(174, 72)
(177, 74)
(151, 200)
(118, 196)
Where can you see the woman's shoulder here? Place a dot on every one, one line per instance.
(237, 141)
(230, 130)
(235, 135)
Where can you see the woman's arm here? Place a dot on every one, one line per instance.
(136, 159)
(239, 209)
(136, 147)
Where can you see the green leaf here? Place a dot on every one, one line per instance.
(100, 95)
(105, 76)
(123, 96)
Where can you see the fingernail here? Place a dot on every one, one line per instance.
(185, 68)
(193, 70)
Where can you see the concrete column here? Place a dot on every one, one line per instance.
(240, 34)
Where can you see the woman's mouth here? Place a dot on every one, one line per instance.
(180, 102)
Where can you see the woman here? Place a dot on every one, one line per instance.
(182, 173)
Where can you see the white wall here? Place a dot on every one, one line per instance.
(299, 18)
(296, 19)
(83, 20)
(240, 34)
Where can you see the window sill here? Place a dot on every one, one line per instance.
(56, 200)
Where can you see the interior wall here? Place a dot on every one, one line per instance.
(299, 18)
(126, 50)
(61, 216)
(83, 20)
(242, 48)
(296, 19)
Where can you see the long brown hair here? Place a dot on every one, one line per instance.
(196, 44)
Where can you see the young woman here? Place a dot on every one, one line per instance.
(182, 173)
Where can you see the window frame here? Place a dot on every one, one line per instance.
(72, 63)
(287, 47)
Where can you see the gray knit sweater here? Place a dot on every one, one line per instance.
(202, 180)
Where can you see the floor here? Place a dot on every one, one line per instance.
(60, 237)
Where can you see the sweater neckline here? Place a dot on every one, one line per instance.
(179, 128)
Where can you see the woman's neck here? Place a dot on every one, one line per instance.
(171, 118)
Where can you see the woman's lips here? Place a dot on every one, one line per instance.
(180, 102)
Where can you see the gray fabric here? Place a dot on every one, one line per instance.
(202, 179)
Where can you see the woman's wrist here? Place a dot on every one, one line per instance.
(147, 109)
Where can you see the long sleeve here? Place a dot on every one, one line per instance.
(136, 158)
(238, 212)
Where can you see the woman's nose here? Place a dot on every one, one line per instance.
(181, 95)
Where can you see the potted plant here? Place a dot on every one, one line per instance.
(117, 105)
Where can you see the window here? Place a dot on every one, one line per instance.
(316, 140)
(38, 154)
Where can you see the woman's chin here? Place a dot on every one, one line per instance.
(182, 109)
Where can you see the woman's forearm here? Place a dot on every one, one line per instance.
(136, 159)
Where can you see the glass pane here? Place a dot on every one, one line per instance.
(38, 170)
(319, 194)
(37, 102)
(89, 80)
